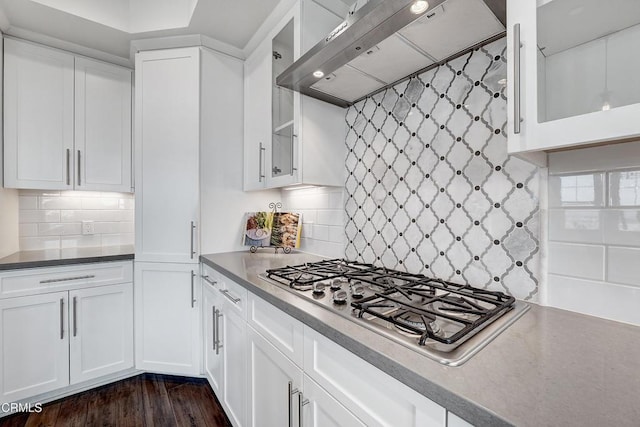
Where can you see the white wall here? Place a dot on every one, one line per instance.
(53, 219)
(8, 199)
(594, 231)
(222, 200)
(323, 219)
(8, 222)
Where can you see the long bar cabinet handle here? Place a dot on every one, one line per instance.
(260, 168)
(193, 229)
(75, 316)
(61, 318)
(68, 167)
(193, 278)
(226, 293)
(517, 45)
(79, 168)
(301, 402)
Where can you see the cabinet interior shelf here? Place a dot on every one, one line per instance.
(278, 130)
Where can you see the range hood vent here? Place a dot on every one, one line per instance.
(382, 42)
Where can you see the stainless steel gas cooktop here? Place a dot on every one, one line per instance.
(445, 321)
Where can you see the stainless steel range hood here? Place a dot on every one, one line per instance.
(383, 42)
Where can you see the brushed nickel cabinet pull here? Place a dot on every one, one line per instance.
(260, 159)
(217, 317)
(79, 168)
(61, 318)
(209, 281)
(66, 279)
(75, 316)
(226, 293)
(193, 300)
(301, 402)
(516, 77)
(68, 167)
(193, 228)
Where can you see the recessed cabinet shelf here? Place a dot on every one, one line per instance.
(290, 139)
(573, 77)
(279, 129)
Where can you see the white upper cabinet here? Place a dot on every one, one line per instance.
(289, 138)
(167, 155)
(67, 121)
(38, 117)
(574, 73)
(102, 126)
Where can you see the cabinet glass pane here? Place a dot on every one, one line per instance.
(282, 105)
(588, 56)
(282, 98)
(282, 152)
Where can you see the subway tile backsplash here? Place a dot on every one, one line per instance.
(322, 211)
(594, 231)
(53, 219)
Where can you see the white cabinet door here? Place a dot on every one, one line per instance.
(320, 409)
(257, 116)
(279, 328)
(167, 320)
(348, 379)
(233, 329)
(34, 355)
(38, 117)
(569, 93)
(167, 155)
(213, 357)
(455, 421)
(272, 380)
(102, 126)
(101, 331)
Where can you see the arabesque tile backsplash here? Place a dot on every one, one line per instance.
(430, 187)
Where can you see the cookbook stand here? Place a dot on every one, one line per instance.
(275, 207)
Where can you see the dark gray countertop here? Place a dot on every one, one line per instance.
(50, 258)
(552, 367)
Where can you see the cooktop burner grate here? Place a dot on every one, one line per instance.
(445, 321)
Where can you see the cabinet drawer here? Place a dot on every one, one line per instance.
(281, 330)
(43, 280)
(373, 396)
(235, 294)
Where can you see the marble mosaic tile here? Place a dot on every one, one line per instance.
(430, 187)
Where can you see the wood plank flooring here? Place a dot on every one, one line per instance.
(145, 400)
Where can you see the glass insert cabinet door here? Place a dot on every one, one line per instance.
(589, 56)
(283, 136)
(573, 73)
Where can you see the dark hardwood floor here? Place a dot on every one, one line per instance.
(145, 400)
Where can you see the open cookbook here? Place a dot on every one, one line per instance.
(277, 229)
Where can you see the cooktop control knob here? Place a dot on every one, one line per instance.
(357, 290)
(340, 297)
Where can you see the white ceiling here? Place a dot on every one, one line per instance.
(229, 21)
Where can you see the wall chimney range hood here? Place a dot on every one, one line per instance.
(384, 41)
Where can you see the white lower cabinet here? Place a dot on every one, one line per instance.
(233, 330)
(455, 421)
(274, 384)
(287, 374)
(35, 345)
(212, 312)
(101, 331)
(73, 329)
(167, 318)
(373, 396)
(320, 409)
